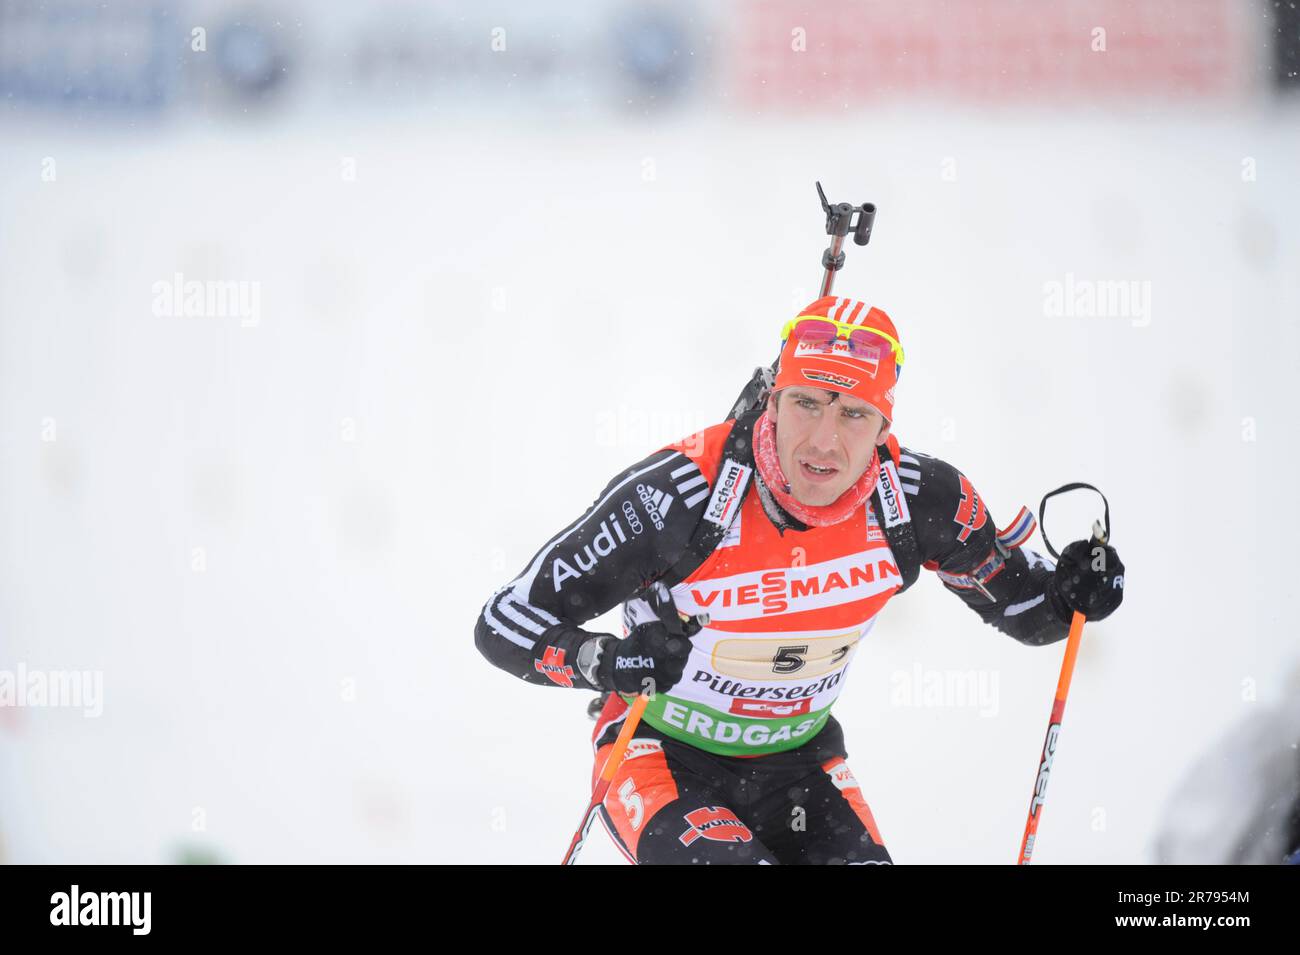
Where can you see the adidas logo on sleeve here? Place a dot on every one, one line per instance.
(692, 489)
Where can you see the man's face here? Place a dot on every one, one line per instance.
(824, 441)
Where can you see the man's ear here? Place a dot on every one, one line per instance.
(884, 433)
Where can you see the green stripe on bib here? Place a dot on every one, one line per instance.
(728, 734)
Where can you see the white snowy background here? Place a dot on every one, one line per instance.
(458, 349)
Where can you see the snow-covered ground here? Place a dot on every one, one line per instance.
(273, 536)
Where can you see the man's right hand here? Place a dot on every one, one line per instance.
(652, 658)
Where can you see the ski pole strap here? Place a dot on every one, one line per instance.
(1074, 486)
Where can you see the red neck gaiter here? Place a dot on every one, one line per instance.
(769, 469)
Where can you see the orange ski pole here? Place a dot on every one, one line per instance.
(612, 762)
(686, 625)
(1049, 744)
(1054, 722)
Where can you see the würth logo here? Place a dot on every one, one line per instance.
(717, 823)
(971, 513)
(552, 664)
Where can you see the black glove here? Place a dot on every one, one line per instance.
(653, 656)
(1089, 578)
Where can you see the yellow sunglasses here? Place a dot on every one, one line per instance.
(863, 341)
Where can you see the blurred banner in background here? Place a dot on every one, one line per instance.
(317, 319)
(601, 57)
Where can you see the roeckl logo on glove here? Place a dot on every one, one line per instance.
(634, 663)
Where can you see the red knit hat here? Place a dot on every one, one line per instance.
(834, 366)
